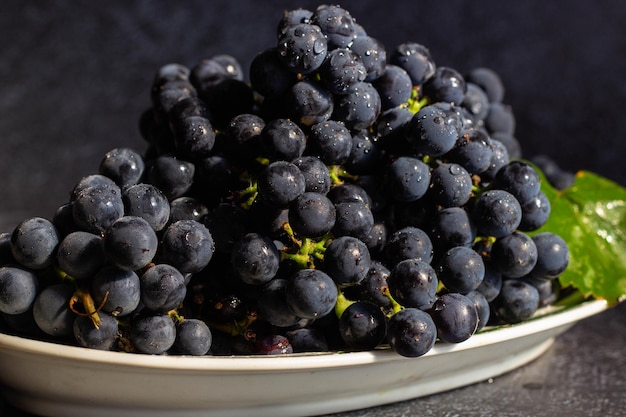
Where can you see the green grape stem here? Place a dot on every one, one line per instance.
(342, 303)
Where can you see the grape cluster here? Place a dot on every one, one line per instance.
(348, 196)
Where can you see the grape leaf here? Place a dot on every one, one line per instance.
(591, 217)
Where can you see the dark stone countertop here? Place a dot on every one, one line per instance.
(75, 76)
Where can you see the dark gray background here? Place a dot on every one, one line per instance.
(75, 75)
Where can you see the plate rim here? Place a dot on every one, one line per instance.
(546, 319)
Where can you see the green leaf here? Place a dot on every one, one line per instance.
(591, 217)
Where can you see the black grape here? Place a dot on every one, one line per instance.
(193, 337)
(153, 334)
(455, 316)
(34, 243)
(162, 288)
(103, 338)
(125, 166)
(280, 183)
(148, 202)
(51, 310)
(362, 325)
(347, 260)
(514, 255)
(311, 293)
(116, 290)
(18, 287)
(413, 283)
(81, 254)
(411, 332)
(187, 245)
(517, 301)
(255, 259)
(130, 243)
(302, 48)
(312, 215)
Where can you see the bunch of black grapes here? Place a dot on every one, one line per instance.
(347, 197)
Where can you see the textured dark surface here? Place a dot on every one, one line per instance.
(74, 78)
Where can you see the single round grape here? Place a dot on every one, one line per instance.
(311, 293)
(408, 243)
(162, 288)
(353, 218)
(496, 213)
(336, 24)
(130, 243)
(117, 290)
(309, 102)
(514, 255)
(316, 174)
(280, 183)
(517, 301)
(445, 85)
(34, 243)
(372, 287)
(411, 332)
(415, 59)
(359, 108)
(244, 135)
(331, 141)
(255, 259)
(312, 215)
(431, 131)
(302, 48)
(51, 310)
(408, 179)
(125, 166)
(18, 289)
(81, 254)
(347, 260)
(450, 185)
(535, 213)
(102, 338)
(472, 151)
(193, 337)
(461, 269)
(362, 325)
(148, 202)
(451, 227)
(283, 139)
(171, 175)
(455, 316)
(187, 245)
(520, 179)
(413, 283)
(552, 255)
(96, 208)
(341, 71)
(394, 87)
(153, 334)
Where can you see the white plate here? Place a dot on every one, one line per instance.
(55, 380)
